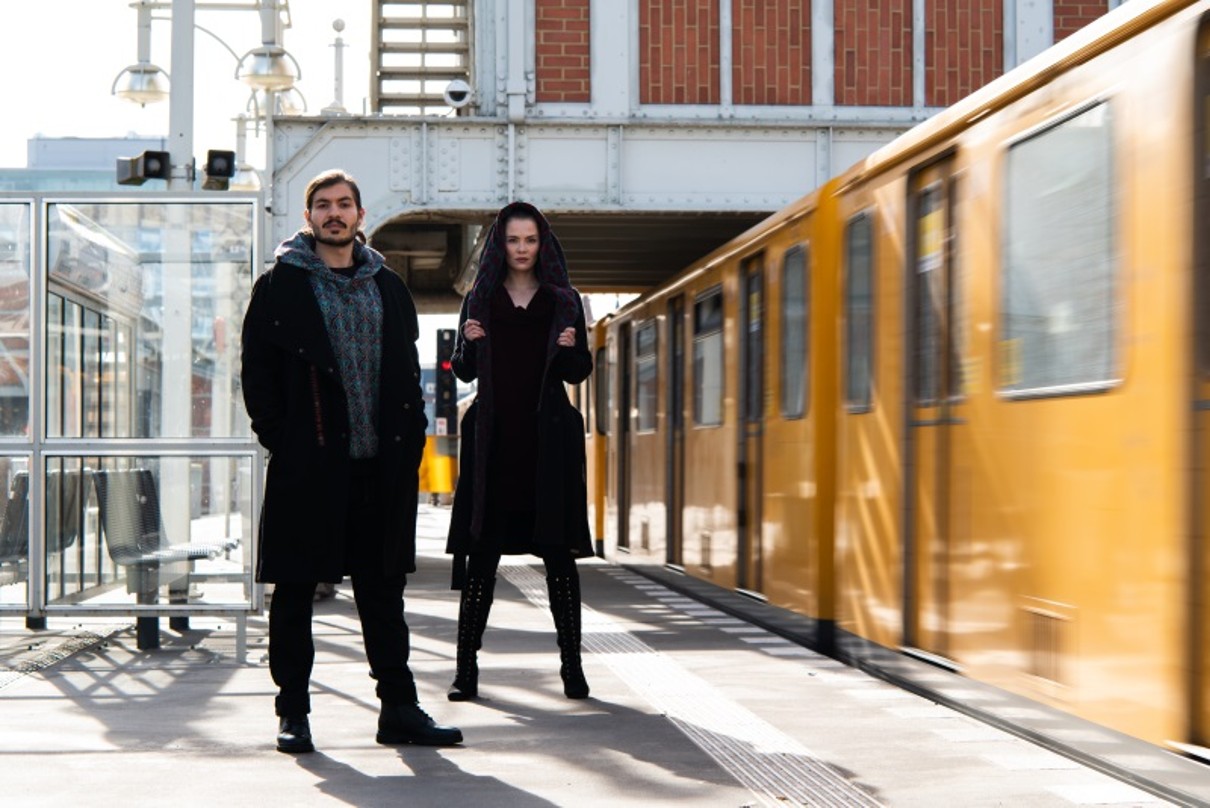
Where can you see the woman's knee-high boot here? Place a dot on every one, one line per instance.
(472, 620)
(564, 591)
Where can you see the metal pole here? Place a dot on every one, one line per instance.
(180, 100)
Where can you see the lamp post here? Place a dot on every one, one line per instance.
(268, 68)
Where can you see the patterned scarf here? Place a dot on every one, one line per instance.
(352, 312)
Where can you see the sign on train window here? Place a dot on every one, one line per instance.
(795, 296)
(1058, 298)
(859, 313)
(646, 381)
(708, 358)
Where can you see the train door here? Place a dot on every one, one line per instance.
(1199, 635)
(674, 398)
(751, 424)
(935, 411)
(624, 364)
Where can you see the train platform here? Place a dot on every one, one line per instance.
(691, 706)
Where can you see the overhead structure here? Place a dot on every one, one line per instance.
(649, 133)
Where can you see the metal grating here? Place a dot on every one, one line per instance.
(419, 48)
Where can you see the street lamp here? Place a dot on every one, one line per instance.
(268, 69)
(142, 83)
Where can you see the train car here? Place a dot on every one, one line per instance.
(721, 444)
(1018, 472)
(999, 465)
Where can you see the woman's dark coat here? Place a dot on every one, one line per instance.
(294, 396)
(561, 509)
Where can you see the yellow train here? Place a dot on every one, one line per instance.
(956, 402)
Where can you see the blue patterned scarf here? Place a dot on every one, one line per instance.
(352, 312)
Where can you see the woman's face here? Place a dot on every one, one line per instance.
(521, 244)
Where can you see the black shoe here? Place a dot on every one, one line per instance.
(465, 687)
(407, 723)
(294, 734)
(575, 686)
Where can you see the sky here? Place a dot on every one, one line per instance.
(59, 85)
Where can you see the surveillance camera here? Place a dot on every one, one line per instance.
(457, 94)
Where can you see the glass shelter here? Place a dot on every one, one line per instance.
(130, 475)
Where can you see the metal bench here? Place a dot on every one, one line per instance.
(128, 503)
(14, 532)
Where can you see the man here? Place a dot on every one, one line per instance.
(331, 381)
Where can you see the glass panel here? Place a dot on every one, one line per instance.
(794, 333)
(14, 319)
(708, 359)
(1059, 298)
(14, 531)
(859, 314)
(149, 531)
(54, 360)
(647, 380)
(167, 284)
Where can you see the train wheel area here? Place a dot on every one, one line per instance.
(693, 704)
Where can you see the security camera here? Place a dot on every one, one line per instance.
(457, 94)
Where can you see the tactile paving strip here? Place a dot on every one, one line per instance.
(778, 769)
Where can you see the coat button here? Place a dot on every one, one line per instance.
(407, 406)
(330, 370)
(300, 351)
(398, 438)
(277, 322)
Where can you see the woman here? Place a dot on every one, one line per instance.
(521, 484)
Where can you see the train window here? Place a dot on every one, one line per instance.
(859, 312)
(708, 358)
(602, 405)
(646, 376)
(1058, 296)
(795, 296)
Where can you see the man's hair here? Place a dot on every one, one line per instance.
(327, 180)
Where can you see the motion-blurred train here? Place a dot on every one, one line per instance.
(956, 401)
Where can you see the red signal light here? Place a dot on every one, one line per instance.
(446, 365)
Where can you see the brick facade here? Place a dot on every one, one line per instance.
(771, 51)
(1072, 15)
(562, 53)
(963, 46)
(678, 51)
(873, 52)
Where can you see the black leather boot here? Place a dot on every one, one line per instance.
(407, 723)
(294, 734)
(564, 591)
(472, 620)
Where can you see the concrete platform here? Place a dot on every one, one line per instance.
(690, 706)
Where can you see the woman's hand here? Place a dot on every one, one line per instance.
(473, 330)
(567, 339)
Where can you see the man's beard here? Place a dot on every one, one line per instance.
(335, 241)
